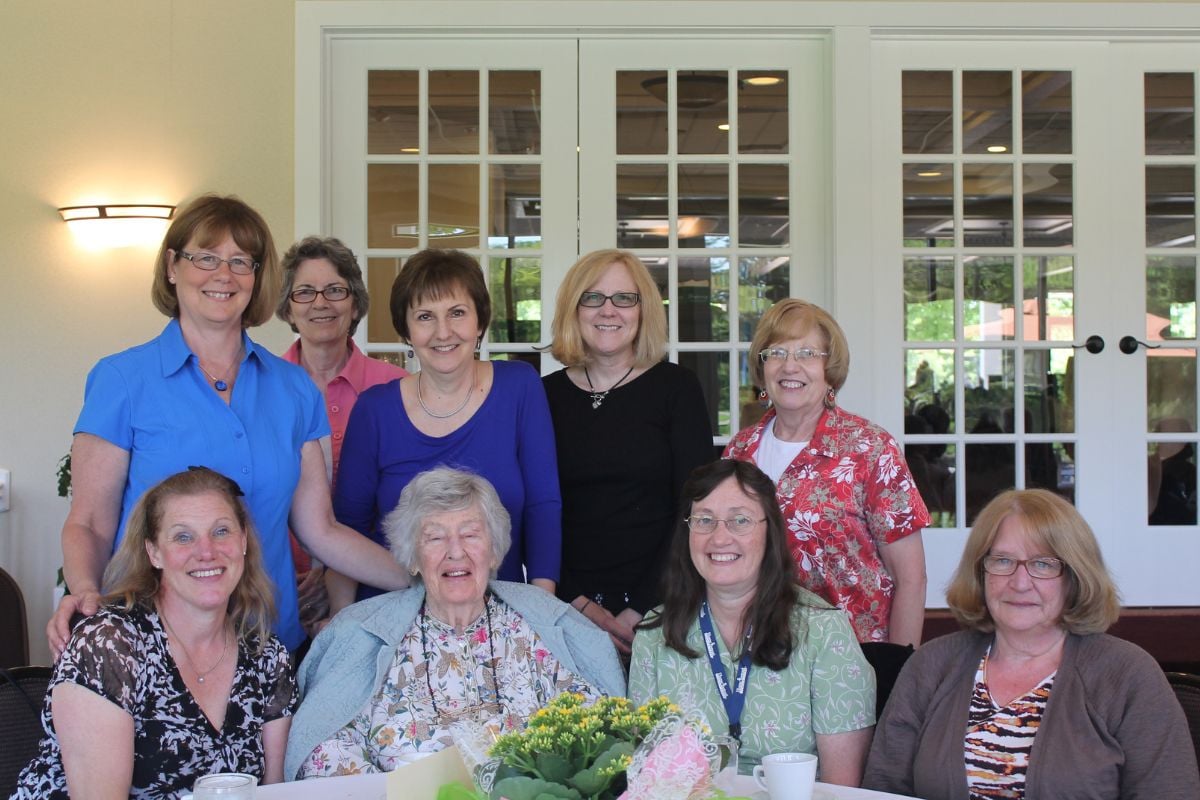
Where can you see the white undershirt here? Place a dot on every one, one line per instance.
(775, 455)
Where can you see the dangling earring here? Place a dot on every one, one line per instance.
(831, 398)
(764, 399)
(413, 571)
(411, 354)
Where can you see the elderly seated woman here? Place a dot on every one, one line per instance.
(1034, 699)
(390, 675)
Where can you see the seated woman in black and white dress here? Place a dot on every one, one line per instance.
(177, 675)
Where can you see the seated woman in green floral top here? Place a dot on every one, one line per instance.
(390, 675)
(737, 642)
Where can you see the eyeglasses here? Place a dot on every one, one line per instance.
(331, 293)
(208, 262)
(738, 524)
(1041, 567)
(781, 354)
(620, 299)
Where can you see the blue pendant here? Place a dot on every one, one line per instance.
(221, 386)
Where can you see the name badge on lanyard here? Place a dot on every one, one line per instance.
(733, 697)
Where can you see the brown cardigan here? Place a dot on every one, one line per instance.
(1112, 728)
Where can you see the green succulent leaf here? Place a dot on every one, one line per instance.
(595, 779)
(553, 767)
(456, 791)
(525, 788)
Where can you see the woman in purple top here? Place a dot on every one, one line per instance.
(489, 417)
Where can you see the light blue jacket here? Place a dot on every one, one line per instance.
(350, 659)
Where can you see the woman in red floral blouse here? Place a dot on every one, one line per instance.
(852, 509)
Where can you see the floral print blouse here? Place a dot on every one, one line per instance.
(848, 493)
(123, 657)
(496, 673)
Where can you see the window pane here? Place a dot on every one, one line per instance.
(1170, 297)
(762, 282)
(932, 468)
(1049, 394)
(703, 299)
(1171, 389)
(516, 288)
(1171, 475)
(642, 203)
(991, 469)
(929, 299)
(703, 109)
(514, 112)
(987, 205)
(929, 378)
(381, 273)
(1048, 205)
(988, 314)
(453, 111)
(928, 104)
(1171, 206)
(515, 205)
(928, 205)
(762, 111)
(1170, 113)
(987, 112)
(1048, 299)
(1051, 466)
(1046, 112)
(751, 405)
(392, 206)
(990, 386)
(641, 115)
(454, 205)
(703, 205)
(713, 371)
(763, 208)
(392, 111)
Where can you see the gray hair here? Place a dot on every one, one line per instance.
(343, 260)
(440, 490)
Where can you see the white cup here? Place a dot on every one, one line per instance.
(788, 776)
(225, 786)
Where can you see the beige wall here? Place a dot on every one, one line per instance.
(119, 101)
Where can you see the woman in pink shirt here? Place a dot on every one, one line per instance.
(323, 299)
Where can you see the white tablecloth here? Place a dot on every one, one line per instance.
(374, 787)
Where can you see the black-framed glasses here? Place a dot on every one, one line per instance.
(738, 524)
(781, 354)
(331, 293)
(619, 299)
(209, 262)
(1040, 567)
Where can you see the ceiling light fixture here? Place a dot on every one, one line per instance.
(763, 80)
(997, 148)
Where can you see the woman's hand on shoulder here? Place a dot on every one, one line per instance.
(58, 630)
(618, 629)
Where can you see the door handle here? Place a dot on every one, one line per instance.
(1094, 344)
(1129, 345)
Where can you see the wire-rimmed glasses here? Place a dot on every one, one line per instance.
(208, 262)
(738, 524)
(1040, 567)
(781, 354)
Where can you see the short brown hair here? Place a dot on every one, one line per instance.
(207, 220)
(428, 275)
(131, 579)
(793, 319)
(1056, 528)
(650, 344)
(343, 260)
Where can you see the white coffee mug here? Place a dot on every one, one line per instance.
(225, 786)
(788, 776)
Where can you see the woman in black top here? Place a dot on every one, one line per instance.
(630, 427)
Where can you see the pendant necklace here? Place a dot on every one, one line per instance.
(200, 676)
(598, 397)
(487, 610)
(219, 384)
(461, 406)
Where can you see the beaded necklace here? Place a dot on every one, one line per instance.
(425, 654)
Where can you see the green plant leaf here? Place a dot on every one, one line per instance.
(596, 778)
(456, 791)
(526, 788)
(553, 767)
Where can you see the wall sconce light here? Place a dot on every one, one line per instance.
(124, 225)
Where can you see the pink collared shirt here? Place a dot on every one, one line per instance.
(360, 373)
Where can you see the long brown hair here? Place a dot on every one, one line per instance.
(131, 579)
(773, 639)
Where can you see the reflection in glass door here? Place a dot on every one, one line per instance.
(706, 166)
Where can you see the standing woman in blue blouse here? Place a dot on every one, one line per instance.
(487, 417)
(202, 393)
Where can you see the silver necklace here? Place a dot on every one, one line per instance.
(461, 406)
(219, 384)
(200, 676)
(598, 397)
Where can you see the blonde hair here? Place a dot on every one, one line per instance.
(650, 343)
(1055, 528)
(793, 319)
(208, 219)
(131, 579)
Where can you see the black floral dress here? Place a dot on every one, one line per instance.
(123, 657)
